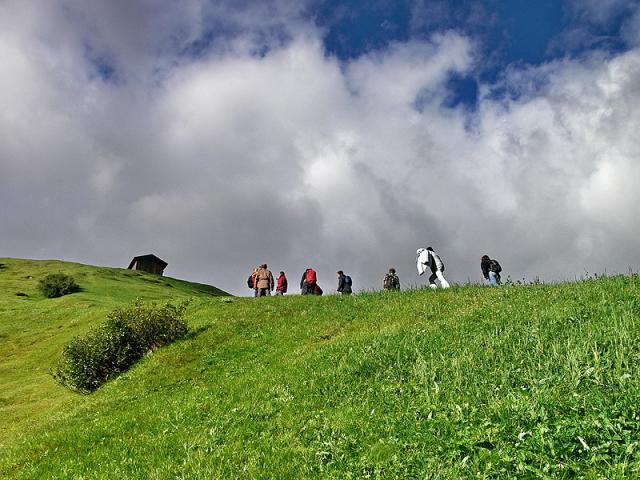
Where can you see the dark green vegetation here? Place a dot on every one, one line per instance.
(56, 285)
(514, 382)
(90, 360)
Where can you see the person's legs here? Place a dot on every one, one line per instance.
(432, 281)
(443, 281)
(493, 280)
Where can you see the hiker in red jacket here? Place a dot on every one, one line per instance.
(282, 284)
(308, 282)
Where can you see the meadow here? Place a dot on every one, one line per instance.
(522, 381)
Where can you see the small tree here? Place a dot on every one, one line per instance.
(57, 285)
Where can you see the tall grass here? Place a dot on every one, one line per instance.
(524, 381)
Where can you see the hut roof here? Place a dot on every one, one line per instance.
(151, 257)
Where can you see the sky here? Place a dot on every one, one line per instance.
(220, 135)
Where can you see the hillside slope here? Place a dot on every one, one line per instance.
(514, 382)
(33, 329)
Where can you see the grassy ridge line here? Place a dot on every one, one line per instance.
(526, 382)
(33, 330)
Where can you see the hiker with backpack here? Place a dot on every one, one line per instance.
(281, 284)
(490, 270)
(391, 280)
(251, 282)
(427, 258)
(344, 283)
(308, 282)
(264, 281)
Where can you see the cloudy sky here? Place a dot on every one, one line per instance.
(341, 135)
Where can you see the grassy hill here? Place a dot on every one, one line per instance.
(515, 382)
(34, 329)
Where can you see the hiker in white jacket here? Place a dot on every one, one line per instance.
(426, 257)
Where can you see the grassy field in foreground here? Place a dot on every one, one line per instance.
(515, 382)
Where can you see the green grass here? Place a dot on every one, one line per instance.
(34, 329)
(515, 382)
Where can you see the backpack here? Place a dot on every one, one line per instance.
(347, 280)
(250, 281)
(389, 282)
(495, 266)
(310, 276)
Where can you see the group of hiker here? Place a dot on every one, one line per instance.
(262, 282)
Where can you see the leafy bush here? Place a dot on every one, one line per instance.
(128, 333)
(153, 326)
(91, 360)
(57, 285)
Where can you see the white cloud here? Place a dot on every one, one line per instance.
(599, 24)
(600, 11)
(230, 159)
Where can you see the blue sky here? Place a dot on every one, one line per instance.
(514, 30)
(508, 31)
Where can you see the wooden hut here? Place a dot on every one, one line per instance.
(148, 263)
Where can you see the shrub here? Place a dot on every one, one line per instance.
(91, 360)
(57, 285)
(153, 326)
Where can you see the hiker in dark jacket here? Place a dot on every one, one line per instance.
(391, 280)
(490, 270)
(282, 284)
(264, 281)
(308, 282)
(344, 283)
